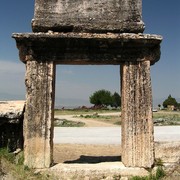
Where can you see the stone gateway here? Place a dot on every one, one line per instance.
(88, 32)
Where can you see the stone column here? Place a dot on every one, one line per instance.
(39, 114)
(137, 125)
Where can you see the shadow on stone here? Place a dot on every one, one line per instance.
(95, 159)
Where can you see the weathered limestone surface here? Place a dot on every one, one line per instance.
(11, 124)
(88, 48)
(137, 125)
(11, 110)
(103, 170)
(38, 121)
(88, 16)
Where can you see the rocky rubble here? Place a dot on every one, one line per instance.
(166, 121)
(11, 124)
(11, 111)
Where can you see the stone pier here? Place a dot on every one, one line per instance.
(89, 32)
(39, 113)
(137, 125)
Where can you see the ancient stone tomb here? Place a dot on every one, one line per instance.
(88, 32)
(11, 124)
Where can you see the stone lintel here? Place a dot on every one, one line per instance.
(88, 48)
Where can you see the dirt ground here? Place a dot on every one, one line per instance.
(90, 122)
(167, 152)
(84, 153)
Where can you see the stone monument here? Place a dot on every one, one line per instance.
(88, 16)
(11, 124)
(88, 32)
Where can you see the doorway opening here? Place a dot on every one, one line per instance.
(82, 132)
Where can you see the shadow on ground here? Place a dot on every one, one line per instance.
(94, 159)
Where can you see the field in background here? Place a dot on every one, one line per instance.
(83, 111)
(112, 117)
(166, 117)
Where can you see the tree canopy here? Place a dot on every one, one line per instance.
(116, 98)
(104, 97)
(170, 101)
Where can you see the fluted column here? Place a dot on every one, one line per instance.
(39, 114)
(137, 125)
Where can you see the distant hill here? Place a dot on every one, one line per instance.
(71, 102)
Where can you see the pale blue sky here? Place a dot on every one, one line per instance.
(74, 84)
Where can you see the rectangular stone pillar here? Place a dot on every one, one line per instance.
(137, 125)
(39, 114)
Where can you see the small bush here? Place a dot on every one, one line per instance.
(13, 165)
(158, 162)
(67, 123)
(5, 153)
(160, 173)
(117, 123)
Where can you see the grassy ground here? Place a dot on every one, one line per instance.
(166, 118)
(82, 111)
(108, 119)
(166, 113)
(161, 118)
(12, 168)
(87, 114)
(67, 123)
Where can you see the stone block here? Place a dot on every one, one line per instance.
(88, 16)
(11, 110)
(11, 124)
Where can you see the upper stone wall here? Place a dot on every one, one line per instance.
(88, 16)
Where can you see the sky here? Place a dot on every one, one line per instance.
(74, 84)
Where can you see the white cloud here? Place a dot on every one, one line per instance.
(11, 67)
(68, 89)
(67, 71)
(12, 79)
(64, 70)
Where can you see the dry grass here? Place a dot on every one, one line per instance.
(81, 111)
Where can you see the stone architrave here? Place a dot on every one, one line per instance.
(38, 121)
(137, 125)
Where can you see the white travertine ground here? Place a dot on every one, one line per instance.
(108, 135)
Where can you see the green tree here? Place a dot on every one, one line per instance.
(101, 97)
(170, 101)
(178, 105)
(116, 98)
